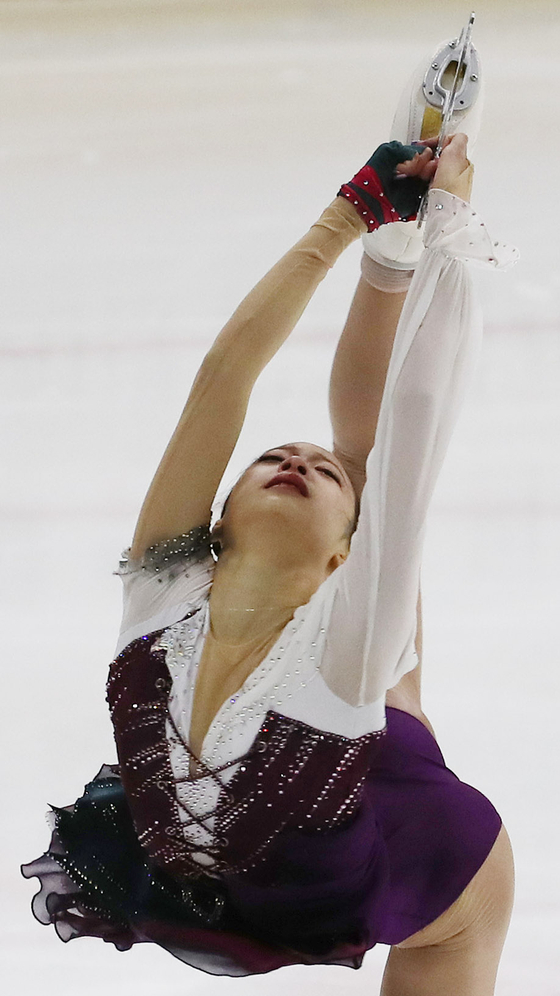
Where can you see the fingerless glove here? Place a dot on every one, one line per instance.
(376, 193)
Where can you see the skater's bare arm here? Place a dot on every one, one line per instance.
(358, 376)
(358, 381)
(356, 388)
(362, 357)
(185, 484)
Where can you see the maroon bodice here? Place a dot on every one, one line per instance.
(294, 776)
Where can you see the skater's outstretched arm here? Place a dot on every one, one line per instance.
(185, 484)
(364, 349)
(357, 383)
(358, 376)
(436, 344)
(356, 388)
(181, 494)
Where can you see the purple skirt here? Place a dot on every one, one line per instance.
(416, 841)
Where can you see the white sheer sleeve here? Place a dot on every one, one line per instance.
(159, 589)
(372, 625)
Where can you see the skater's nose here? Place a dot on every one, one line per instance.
(295, 463)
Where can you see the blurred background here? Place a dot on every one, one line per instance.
(155, 159)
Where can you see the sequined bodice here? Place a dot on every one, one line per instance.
(293, 777)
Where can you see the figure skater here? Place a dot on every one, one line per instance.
(280, 796)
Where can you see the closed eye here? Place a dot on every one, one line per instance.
(330, 473)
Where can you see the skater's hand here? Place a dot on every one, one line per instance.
(422, 166)
(391, 184)
(454, 171)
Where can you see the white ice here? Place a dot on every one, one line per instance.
(155, 159)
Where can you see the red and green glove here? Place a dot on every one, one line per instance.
(381, 195)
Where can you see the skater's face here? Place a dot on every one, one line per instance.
(297, 494)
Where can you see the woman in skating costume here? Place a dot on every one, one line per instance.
(280, 797)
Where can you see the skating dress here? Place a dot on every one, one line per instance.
(319, 821)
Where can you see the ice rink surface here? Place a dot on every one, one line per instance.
(155, 160)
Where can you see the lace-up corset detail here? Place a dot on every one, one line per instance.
(294, 776)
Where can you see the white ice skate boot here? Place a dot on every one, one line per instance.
(419, 117)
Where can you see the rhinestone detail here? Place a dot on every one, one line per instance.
(193, 546)
(293, 775)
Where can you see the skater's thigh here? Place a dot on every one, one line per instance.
(459, 952)
(487, 898)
